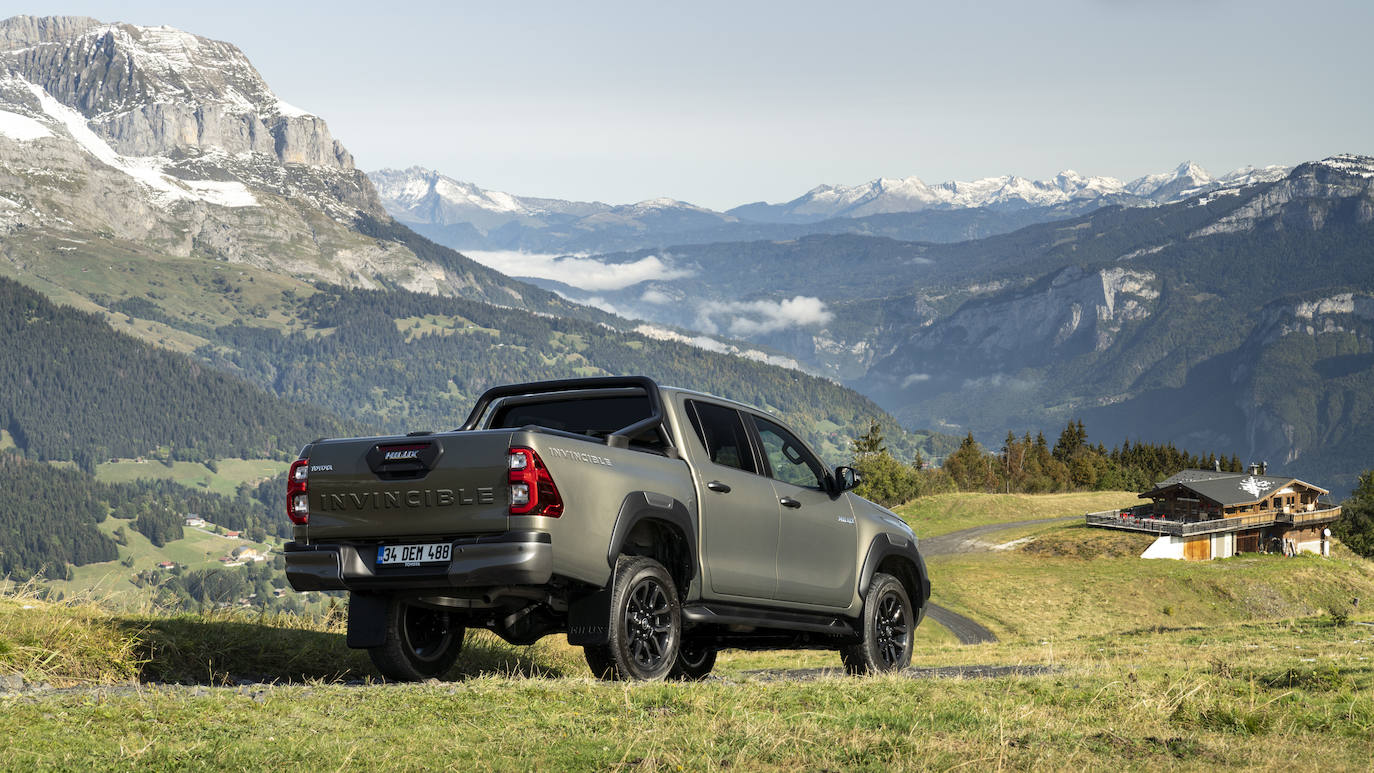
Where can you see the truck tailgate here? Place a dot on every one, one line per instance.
(441, 485)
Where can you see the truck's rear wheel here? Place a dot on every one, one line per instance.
(646, 623)
(421, 643)
(887, 632)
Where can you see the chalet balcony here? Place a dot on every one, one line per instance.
(1139, 519)
(1296, 517)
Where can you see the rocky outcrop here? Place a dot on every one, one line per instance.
(157, 91)
(1306, 198)
(1072, 313)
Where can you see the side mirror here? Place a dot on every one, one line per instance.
(845, 479)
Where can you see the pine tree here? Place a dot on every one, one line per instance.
(870, 442)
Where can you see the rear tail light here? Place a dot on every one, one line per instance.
(297, 501)
(532, 491)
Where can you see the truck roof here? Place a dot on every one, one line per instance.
(717, 398)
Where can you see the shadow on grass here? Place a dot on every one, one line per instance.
(196, 650)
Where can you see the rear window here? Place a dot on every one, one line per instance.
(594, 417)
(721, 431)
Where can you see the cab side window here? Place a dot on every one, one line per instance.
(790, 460)
(722, 433)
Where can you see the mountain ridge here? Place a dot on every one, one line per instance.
(464, 215)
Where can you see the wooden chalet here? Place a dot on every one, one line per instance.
(1202, 514)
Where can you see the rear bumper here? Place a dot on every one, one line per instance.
(512, 558)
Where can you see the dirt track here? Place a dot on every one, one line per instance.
(966, 629)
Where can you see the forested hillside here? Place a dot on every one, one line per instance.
(48, 517)
(62, 533)
(73, 389)
(406, 361)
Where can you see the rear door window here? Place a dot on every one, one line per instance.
(722, 433)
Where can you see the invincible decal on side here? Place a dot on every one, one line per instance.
(578, 456)
(389, 500)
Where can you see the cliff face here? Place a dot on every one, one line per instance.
(159, 91)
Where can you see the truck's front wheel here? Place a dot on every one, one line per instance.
(421, 643)
(646, 623)
(887, 631)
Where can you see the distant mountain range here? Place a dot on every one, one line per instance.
(1239, 318)
(1067, 189)
(464, 216)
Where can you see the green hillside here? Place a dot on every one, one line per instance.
(408, 361)
(74, 528)
(73, 389)
(169, 426)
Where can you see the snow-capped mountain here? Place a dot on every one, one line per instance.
(1009, 192)
(151, 91)
(151, 142)
(419, 195)
(464, 216)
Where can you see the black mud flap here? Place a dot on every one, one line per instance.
(589, 620)
(366, 620)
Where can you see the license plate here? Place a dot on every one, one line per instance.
(414, 555)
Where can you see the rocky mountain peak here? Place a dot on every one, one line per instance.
(1191, 171)
(24, 31)
(159, 91)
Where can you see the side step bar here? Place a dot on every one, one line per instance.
(715, 613)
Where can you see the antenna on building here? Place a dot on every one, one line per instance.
(1217, 464)
(1264, 468)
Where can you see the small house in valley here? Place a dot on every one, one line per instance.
(1202, 514)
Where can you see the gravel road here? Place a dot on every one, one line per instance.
(966, 629)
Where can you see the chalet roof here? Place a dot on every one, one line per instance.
(1228, 488)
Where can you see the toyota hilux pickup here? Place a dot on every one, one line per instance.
(653, 526)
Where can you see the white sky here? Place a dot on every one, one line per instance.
(723, 103)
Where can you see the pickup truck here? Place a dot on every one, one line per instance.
(654, 526)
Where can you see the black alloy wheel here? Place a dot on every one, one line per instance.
(888, 623)
(646, 623)
(421, 643)
(427, 633)
(893, 631)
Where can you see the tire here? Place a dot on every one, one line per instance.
(694, 662)
(421, 643)
(887, 629)
(645, 624)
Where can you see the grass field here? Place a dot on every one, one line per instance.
(1239, 695)
(1255, 662)
(230, 475)
(943, 513)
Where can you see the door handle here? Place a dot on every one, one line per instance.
(718, 487)
(789, 502)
